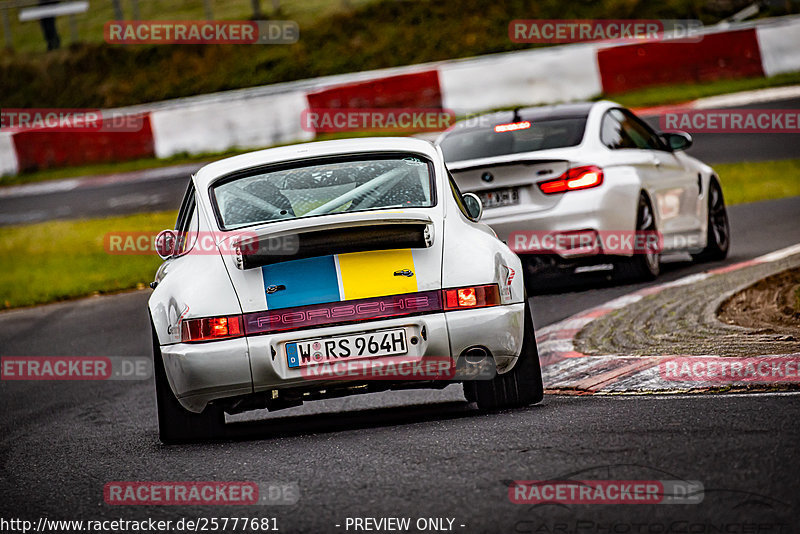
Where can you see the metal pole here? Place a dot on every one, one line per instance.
(73, 29)
(118, 15)
(256, 9)
(7, 30)
(135, 10)
(208, 10)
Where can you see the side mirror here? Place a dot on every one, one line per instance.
(677, 140)
(165, 243)
(474, 206)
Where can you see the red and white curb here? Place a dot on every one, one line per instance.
(564, 368)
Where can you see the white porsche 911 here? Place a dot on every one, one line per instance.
(294, 273)
(588, 186)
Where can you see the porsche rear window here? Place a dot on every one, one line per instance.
(321, 187)
(545, 134)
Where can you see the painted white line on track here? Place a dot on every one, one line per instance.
(69, 184)
(42, 188)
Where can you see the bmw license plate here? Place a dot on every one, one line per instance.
(499, 197)
(331, 349)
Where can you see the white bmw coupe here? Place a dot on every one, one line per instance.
(588, 186)
(327, 269)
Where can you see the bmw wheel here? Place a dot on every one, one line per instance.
(645, 265)
(718, 233)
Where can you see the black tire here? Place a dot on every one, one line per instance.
(641, 267)
(718, 233)
(176, 423)
(521, 386)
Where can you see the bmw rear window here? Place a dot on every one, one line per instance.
(320, 187)
(475, 143)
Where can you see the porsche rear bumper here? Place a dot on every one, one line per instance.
(200, 373)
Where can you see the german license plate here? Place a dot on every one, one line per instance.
(352, 347)
(499, 197)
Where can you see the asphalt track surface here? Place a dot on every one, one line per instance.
(415, 454)
(164, 193)
(403, 454)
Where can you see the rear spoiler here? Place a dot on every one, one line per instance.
(455, 167)
(369, 231)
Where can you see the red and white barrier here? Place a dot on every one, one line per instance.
(47, 148)
(541, 75)
(264, 116)
(780, 48)
(412, 90)
(733, 54)
(223, 125)
(9, 166)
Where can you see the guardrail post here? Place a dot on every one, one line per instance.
(135, 9)
(208, 10)
(256, 9)
(73, 29)
(118, 15)
(7, 30)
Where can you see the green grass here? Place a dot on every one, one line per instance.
(762, 180)
(27, 36)
(59, 260)
(657, 96)
(334, 39)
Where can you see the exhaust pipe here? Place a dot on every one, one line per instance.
(475, 363)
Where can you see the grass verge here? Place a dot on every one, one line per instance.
(58, 260)
(334, 39)
(762, 180)
(673, 94)
(66, 259)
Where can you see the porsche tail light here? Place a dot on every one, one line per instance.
(211, 328)
(471, 297)
(573, 180)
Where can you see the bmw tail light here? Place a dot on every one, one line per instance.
(471, 297)
(512, 126)
(573, 180)
(211, 328)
